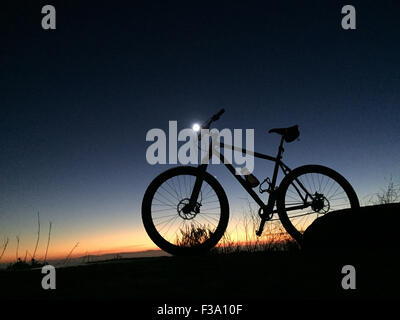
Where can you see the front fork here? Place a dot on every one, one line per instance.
(202, 168)
(196, 189)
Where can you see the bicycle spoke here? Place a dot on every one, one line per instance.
(162, 210)
(214, 213)
(204, 216)
(176, 198)
(166, 222)
(216, 201)
(163, 217)
(165, 204)
(166, 233)
(173, 189)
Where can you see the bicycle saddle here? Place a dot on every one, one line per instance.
(289, 134)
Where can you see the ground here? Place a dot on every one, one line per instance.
(244, 276)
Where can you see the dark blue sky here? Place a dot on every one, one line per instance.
(76, 102)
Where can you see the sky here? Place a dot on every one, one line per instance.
(77, 102)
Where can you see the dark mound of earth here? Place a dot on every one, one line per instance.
(371, 228)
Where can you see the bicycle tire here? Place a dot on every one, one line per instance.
(287, 182)
(147, 212)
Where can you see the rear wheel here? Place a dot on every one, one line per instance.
(309, 192)
(173, 227)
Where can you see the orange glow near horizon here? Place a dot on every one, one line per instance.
(95, 243)
(98, 242)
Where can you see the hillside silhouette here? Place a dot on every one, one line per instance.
(370, 228)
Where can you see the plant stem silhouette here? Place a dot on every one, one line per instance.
(16, 254)
(4, 248)
(48, 242)
(69, 254)
(37, 241)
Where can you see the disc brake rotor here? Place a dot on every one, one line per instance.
(183, 209)
(320, 203)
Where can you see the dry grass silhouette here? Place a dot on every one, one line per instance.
(4, 247)
(34, 262)
(389, 194)
(274, 238)
(192, 236)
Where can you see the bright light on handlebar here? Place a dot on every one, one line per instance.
(196, 127)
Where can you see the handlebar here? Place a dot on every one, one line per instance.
(215, 117)
(207, 124)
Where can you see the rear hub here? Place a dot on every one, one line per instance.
(320, 203)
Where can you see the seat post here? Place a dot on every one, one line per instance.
(278, 159)
(272, 197)
(281, 149)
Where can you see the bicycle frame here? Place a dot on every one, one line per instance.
(268, 207)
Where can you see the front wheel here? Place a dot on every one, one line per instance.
(175, 228)
(309, 192)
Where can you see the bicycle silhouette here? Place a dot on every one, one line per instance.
(185, 209)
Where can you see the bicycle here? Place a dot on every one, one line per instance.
(185, 210)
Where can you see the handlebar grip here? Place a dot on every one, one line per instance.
(217, 115)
